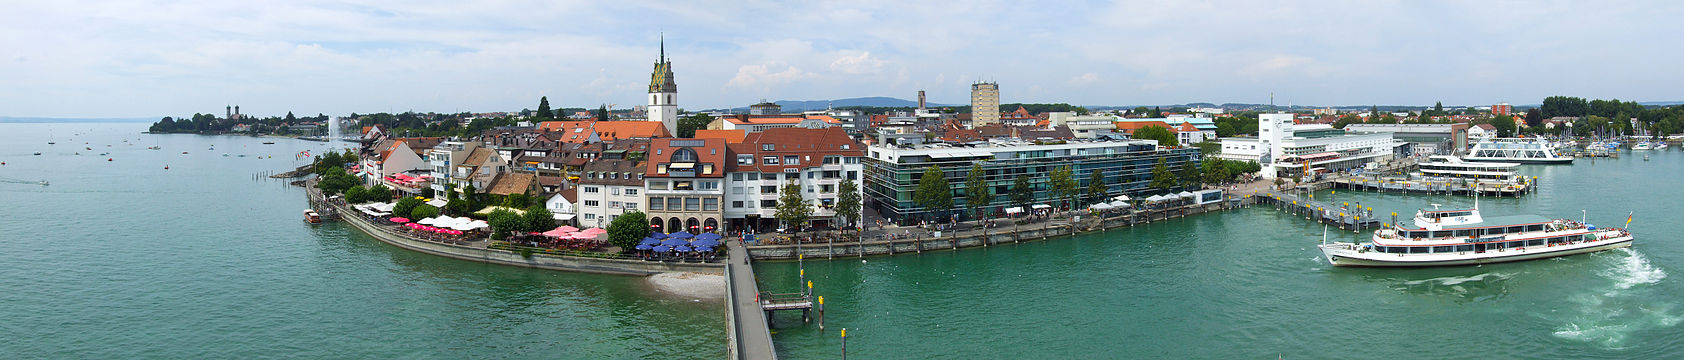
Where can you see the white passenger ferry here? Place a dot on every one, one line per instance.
(1443, 166)
(1463, 237)
(1518, 150)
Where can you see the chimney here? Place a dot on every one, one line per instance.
(920, 99)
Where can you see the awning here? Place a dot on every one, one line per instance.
(1121, 198)
(1014, 210)
(438, 203)
(1040, 206)
(1100, 206)
(681, 165)
(563, 216)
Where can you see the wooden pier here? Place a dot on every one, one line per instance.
(1343, 215)
(1435, 186)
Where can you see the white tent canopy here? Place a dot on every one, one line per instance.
(1014, 210)
(1185, 194)
(1101, 206)
(438, 203)
(1121, 198)
(1119, 204)
(1154, 198)
(1040, 206)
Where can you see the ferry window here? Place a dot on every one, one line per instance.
(1494, 231)
(1378, 248)
(1515, 244)
(1535, 242)
(1534, 228)
(1417, 249)
(1464, 233)
(1461, 248)
(1443, 249)
(1440, 233)
(1494, 246)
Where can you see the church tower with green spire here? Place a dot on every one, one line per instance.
(663, 93)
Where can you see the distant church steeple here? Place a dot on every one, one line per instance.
(663, 92)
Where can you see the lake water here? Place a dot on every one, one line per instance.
(123, 259)
(209, 259)
(1250, 284)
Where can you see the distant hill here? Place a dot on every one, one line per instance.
(792, 106)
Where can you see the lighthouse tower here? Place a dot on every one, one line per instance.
(663, 94)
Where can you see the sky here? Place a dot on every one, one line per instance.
(73, 58)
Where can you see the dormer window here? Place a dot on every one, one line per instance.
(768, 147)
(683, 155)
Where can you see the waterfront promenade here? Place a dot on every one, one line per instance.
(751, 333)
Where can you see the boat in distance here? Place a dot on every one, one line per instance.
(1464, 237)
(1517, 150)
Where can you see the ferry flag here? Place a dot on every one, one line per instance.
(1628, 217)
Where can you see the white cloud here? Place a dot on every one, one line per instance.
(763, 77)
(858, 64)
(1084, 79)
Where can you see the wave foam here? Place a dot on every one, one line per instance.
(1635, 270)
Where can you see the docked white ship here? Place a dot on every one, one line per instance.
(1463, 237)
(1517, 150)
(1443, 166)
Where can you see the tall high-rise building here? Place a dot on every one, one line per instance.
(663, 93)
(920, 99)
(985, 104)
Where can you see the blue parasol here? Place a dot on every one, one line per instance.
(662, 248)
(649, 241)
(705, 242)
(705, 249)
(709, 236)
(644, 247)
(680, 235)
(674, 242)
(682, 248)
(657, 235)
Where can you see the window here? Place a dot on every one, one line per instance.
(675, 204)
(707, 169)
(768, 147)
(792, 160)
(661, 168)
(737, 177)
(832, 174)
(768, 176)
(812, 175)
(613, 204)
(768, 203)
(832, 159)
(593, 203)
(768, 189)
(710, 204)
(631, 192)
(590, 216)
(682, 185)
(693, 204)
(709, 185)
(826, 189)
(631, 206)
(613, 191)
(736, 204)
(745, 159)
(683, 155)
(737, 190)
(657, 185)
(590, 189)
(655, 203)
(768, 160)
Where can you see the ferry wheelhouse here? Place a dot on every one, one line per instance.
(1518, 150)
(1451, 167)
(1464, 237)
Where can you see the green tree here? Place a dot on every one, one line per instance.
(380, 193)
(933, 192)
(1162, 178)
(405, 205)
(1063, 186)
(1215, 171)
(602, 113)
(1504, 124)
(977, 195)
(538, 219)
(335, 180)
(848, 202)
(628, 229)
(688, 125)
(1346, 120)
(1564, 106)
(1163, 135)
(1534, 118)
(1096, 185)
(1438, 109)
(1190, 174)
(423, 211)
(503, 222)
(1157, 111)
(356, 195)
(1022, 192)
(792, 209)
(544, 108)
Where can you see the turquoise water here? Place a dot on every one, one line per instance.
(123, 259)
(1250, 284)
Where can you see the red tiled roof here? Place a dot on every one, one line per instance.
(712, 151)
(812, 145)
(579, 131)
(730, 136)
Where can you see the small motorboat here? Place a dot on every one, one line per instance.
(44, 183)
(37, 153)
(310, 216)
(166, 167)
(184, 153)
(268, 143)
(107, 159)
